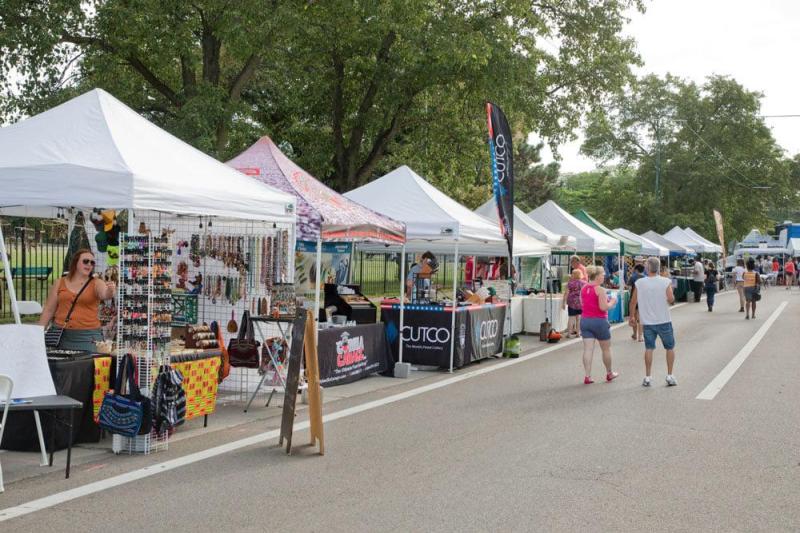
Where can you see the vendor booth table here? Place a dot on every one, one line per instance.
(350, 353)
(478, 333)
(536, 308)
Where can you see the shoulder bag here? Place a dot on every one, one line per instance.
(52, 336)
(127, 414)
(243, 350)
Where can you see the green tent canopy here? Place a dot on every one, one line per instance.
(628, 246)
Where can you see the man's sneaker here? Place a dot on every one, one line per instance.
(646, 382)
(612, 376)
(587, 380)
(671, 381)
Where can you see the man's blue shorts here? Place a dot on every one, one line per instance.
(651, 331)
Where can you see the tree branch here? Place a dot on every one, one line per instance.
(245, 75)
(132, 60)
(357, 133)
(379, 147)
(338, 116)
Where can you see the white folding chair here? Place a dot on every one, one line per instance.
(6, 386)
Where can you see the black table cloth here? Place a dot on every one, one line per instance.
(347, 354)
(73, 378)
(427, 335)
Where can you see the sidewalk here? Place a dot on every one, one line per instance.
(229, 415)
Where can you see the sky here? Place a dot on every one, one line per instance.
(754, 41)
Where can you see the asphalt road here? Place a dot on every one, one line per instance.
(526, 447)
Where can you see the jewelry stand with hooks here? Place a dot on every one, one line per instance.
(144, 315)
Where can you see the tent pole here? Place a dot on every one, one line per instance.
(402, 299)
(12, 295)
(455, 306)
(319, 281)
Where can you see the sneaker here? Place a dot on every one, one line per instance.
(646, 382)
(671, 381)
(587, 380)
(747, 317)
(741, 309)
(612, 376)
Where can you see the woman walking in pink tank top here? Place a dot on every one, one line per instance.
(594, 322)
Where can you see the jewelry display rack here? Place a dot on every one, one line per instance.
(144, 311)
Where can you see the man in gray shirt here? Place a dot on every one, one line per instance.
(654, 295)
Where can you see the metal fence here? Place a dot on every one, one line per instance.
(378, 274)
(36, 257)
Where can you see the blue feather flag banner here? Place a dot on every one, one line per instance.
(502, 173)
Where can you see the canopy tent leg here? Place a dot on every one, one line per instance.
(12, 294)
(319, 279)
(455, 306)
(402, 299)
(401, 369)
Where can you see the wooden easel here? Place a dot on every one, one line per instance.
(306, 343)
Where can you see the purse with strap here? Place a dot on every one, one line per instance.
(243, 350)
(52, 336)
(126, 413)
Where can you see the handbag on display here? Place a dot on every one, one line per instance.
(52, 336)
(126, 413)
(243, 350)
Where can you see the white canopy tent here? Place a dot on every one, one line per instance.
(648, 247)
(94, 151)
(679, 236)
(673, 247)
(527, 225)
(714, 248)
(436, 222)
(588, 239)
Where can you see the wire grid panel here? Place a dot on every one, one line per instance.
(144, 311)
(232, 267)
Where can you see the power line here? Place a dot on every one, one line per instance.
(722, 157)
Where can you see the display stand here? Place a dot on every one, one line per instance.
(144, 311)
(285, 328)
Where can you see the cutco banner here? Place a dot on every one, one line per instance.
(349, 354)
(426, 336)
(501, 151)
(485, 331)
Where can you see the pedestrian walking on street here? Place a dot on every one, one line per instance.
(638, 273)
(654, 295)
(789, 269)
(738, 282)
(698, 278)
(712, 276)
(572, 302)
(752, 289)
(594, 322)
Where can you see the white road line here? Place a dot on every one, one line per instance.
(713, 388)
(128, 477)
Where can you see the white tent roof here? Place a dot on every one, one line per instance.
(716, 248)
(793, 247)
(672, 246)
(588, 239)
(95, 151)
(679, 236)
(527, 225)
(648, 247)
(433, 220)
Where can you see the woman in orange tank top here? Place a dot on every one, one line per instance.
(82, 329)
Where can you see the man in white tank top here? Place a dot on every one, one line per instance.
(654, 295)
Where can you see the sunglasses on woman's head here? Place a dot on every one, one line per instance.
(89, 262)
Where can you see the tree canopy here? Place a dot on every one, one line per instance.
(690, 148)
(356, 88)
